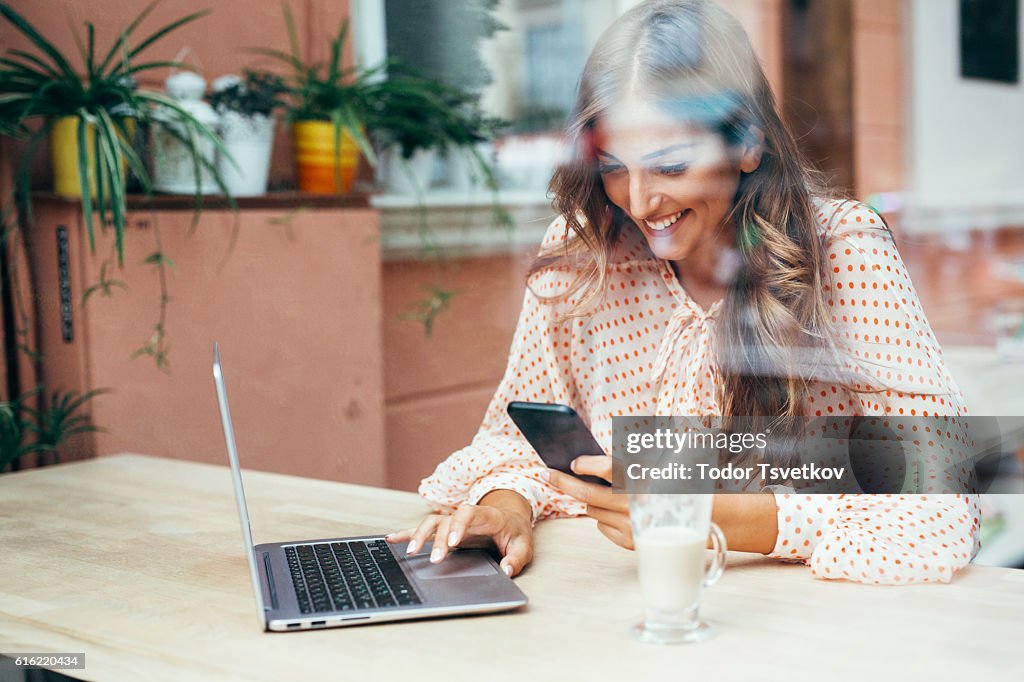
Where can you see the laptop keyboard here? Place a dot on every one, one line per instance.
(347, 576)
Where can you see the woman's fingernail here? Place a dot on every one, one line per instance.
(572, 465)
(507, 569)
(413, 546)
(545, 475)
(435, 556)
(453, 539)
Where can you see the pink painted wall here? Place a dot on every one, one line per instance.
(879, 96)
(295, 306)
(437, 388)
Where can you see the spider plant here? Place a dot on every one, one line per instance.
(411, 112)
(53, 426)
(41, 85)
(60, 418)
(13, 429)
(329, 91)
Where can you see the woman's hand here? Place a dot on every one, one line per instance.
(749, 522)
(502, 517)
(610, 510)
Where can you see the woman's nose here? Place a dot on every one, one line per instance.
(644, 200)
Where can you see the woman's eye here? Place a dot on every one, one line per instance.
(608, 168)
(674, 169)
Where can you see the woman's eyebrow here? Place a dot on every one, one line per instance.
(668, 150)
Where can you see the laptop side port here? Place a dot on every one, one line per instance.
(294, 625)
(318, 623)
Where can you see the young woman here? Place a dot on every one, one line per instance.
(697, 268)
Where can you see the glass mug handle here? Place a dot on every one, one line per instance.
(718, 563)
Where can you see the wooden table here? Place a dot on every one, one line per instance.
(138, 562)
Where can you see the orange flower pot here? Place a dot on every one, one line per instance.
(324, 167)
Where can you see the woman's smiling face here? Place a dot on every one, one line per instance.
(676, 181)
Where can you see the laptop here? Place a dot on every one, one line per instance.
(307, 584)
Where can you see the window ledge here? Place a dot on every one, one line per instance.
(460, 224)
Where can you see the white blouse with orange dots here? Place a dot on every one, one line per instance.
(647, 350)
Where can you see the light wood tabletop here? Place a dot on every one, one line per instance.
(138, 562)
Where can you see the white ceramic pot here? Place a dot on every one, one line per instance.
(408, 176)
(173, 169)
(250, 141)
(464, 174)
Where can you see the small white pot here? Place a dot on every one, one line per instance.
(464, 174)
(408, 176)
(173, 169)
(250, 141)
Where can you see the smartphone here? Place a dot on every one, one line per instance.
(557, 433)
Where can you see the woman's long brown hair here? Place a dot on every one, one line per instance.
(693, 60)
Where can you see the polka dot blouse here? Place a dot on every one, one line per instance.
(648, 350)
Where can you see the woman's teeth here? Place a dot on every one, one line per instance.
(664, 223)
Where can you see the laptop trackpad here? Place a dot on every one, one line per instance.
(455, 565)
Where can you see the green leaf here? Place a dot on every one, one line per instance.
(123, 36)
(45, 46)
(114, 171)
(84, 173)
(160, 33)
(46, 69)
(293, 37)
(105, 285)
(158, 259)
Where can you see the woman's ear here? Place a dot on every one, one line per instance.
(753, 145)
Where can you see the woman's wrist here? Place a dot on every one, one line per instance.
(750, 522)
(508, 501)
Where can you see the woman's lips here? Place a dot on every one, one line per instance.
(668, 230)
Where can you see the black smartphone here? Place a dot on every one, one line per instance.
(557, 433)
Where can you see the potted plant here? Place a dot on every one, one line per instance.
(24, 430)
(246, 107)
(326, 112)
(91, 116)
(408, 115)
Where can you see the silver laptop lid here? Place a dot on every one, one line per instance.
(236, 474)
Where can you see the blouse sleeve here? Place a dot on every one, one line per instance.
(498, 456)
(897, 367)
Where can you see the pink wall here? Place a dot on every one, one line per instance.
(437, 388)
(295, 306)
(878, 96)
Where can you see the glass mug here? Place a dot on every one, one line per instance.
(670, 533)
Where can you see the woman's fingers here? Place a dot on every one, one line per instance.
(616, 535)
(518, 553)
(613, 524)
(512, 535)
(472, 520)
(589, 493)
(400, 535)
(423, 533)
(440, 549)
(593, 465)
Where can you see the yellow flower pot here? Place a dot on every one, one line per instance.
(64, 154)
(64, 151)
(323, 167)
